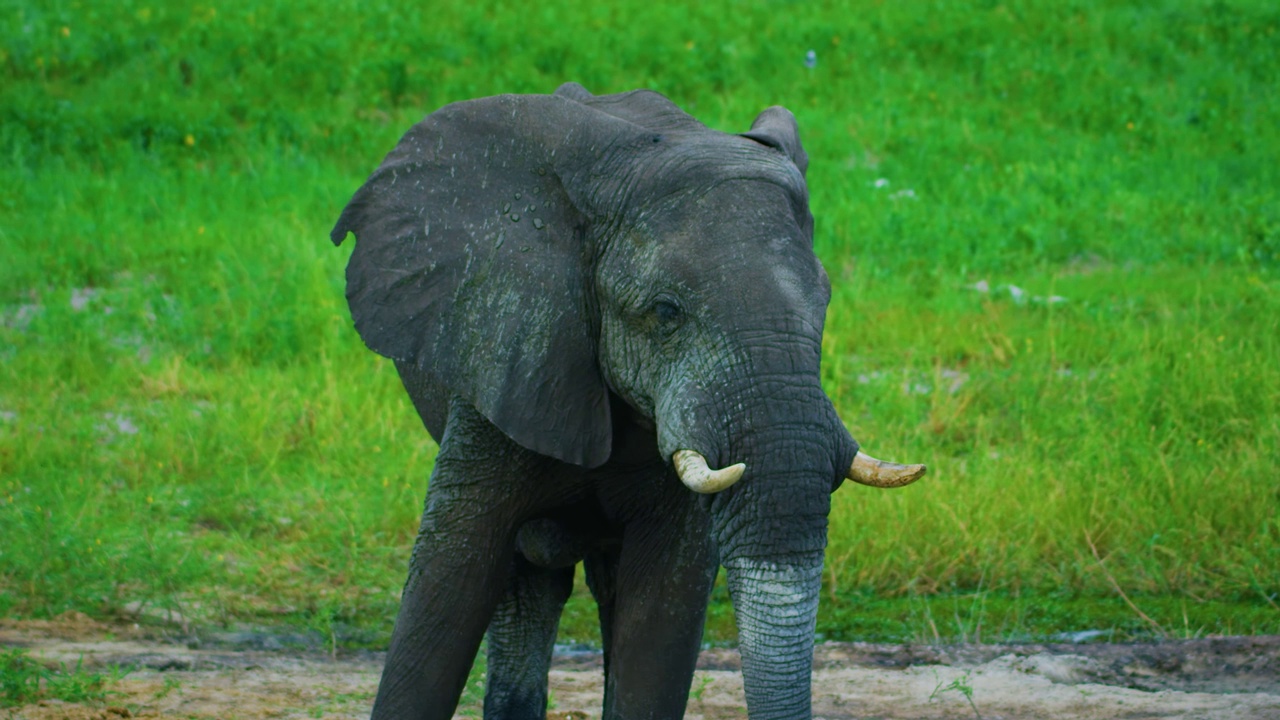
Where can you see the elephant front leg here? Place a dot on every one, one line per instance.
(452, 589)
(521, 636)
(458, 571)
(653, 593)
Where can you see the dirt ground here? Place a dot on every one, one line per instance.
(238, 675)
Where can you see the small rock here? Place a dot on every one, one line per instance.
(80, 298)
(1081, 635)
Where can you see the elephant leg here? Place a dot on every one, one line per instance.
(521, 636)
(459, 568)
(602, 572)
(653, 613)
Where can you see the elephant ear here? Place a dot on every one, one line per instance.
(648, 110)
(469, 264)
(643, 108)
(573, 91)
(777, 128)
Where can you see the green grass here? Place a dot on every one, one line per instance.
(188, 420)
(24, 681)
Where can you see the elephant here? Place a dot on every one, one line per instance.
(609, 316)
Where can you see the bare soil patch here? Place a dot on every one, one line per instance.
(230, 676)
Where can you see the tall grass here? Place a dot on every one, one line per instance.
(188, 420)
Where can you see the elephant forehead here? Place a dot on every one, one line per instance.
(753, 215)
(746, 227)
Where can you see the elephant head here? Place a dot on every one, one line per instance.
(537, 255)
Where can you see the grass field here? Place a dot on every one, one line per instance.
(1053, 228)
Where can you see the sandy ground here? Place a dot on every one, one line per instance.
(228, 678)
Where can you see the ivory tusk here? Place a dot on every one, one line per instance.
(878, 473)
(698, 477)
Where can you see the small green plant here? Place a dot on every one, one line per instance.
(960, 685)
(19, 678)
(324, 622)
(170, 684)
(703, 682)
(24, 680)
(336, 700)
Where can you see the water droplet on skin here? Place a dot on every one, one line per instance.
(538, 224)
(506, 208)
(525, 248)
(517, 196)
(502, 237)
(515, 217)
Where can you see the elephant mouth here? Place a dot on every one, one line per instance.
(698, 476)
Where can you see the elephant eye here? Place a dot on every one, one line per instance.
(668, 310)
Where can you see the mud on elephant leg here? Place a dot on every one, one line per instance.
(520, 640)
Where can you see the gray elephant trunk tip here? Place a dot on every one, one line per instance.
(776, 608)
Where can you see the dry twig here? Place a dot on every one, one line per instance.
(1094, 549)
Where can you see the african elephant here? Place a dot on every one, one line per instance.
(591, 300)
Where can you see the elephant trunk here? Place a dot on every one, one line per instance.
(777, 611)
(770, 526)
(771, 532)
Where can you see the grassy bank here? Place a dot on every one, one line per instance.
(1053, 229)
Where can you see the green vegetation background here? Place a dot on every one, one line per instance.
(1053, 229)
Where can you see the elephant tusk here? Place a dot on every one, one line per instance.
(878, 473)
(698, 477)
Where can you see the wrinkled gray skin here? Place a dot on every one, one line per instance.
(573, 288)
